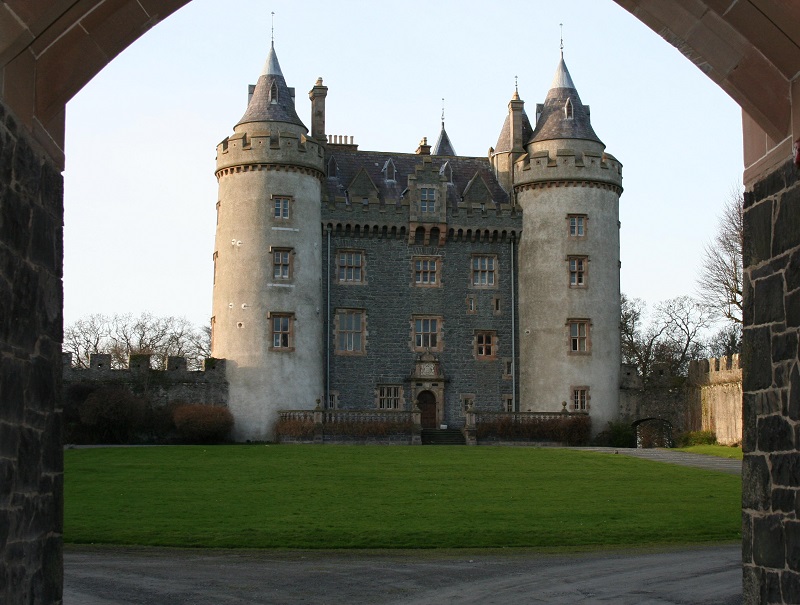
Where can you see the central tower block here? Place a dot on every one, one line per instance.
(569, 294)
(266, 318)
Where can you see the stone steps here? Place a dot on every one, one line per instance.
(443, 437)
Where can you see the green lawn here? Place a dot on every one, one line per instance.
(271, 496)
(722, 451)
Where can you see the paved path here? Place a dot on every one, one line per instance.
(149, 576)
(711, 463)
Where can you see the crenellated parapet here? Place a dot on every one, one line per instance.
(275, 149)
(722, 370)
(140, 364)
(568, 168)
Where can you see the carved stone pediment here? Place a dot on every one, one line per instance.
(427, 367)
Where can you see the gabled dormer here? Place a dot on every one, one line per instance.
(389, 171)
(362, 189)
(333, 168)
(477, 194)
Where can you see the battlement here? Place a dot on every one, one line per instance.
(568, 167)
(140, 364)
(274, 149)
(715, 371)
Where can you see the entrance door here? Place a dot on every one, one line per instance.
(427, 405)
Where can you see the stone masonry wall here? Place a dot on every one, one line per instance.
(31, 458)
(715, 397)
(771, 384)
(161, 387)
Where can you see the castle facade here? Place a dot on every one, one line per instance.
(359, 279)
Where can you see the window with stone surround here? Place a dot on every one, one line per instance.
(333, 400)
(467, 402)
(508, 402)
(580, 399)
(578, 266)
(281, 207)
(472, 305)
(350, 329)
(389, 397)
(484, 271)
(281, 331)
(426, 333)
(350, 266)
(426, 270)
(427, 200)
(282, 263)
(577, 225)
(485, 345)
(579, 336)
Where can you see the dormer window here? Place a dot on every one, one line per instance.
(568, 113)
(389, 170)
(427, 199)
(332, 168)
(273, 94)
(447, 171)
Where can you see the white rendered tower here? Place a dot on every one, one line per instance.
(569, 296)
(267, 261)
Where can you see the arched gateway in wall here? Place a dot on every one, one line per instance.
(49, 50)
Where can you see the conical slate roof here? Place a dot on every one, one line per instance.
(504, 143)
(563, 115)
(443, 145)
(272, 99)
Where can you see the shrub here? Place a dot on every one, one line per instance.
(697, 438)
(618, 434)
(572, 430)
(294, 428)
(203, 423)
(111, 415)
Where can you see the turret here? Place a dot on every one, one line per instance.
(510, 144)
(569, 303)
(267, 261)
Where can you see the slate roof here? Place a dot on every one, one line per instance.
(443, 145)
(553, 122)
(504, 140)
(261, 107)
(349, 163)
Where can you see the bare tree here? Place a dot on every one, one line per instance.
(671, 336)
(720, 282)
(124, 335)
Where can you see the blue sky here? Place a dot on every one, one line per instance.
(140, 191)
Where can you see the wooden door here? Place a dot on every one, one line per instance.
(427, 405)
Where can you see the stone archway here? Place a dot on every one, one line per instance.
(49, 50)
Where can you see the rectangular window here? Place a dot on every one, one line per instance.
(467, 402)
(351, 266)
(578, 335)
(425, 271)
(281, 207)
(390, 397)
(333, 400)
(472, 306)
(426, 333)
(427, 199)
(580, 399)
(483, 271)
(350, 331)
(577, 271)
(282, 326)
(485, 346)
(577, 225)
(282, 263)
(508, 368)
(496, 305)
(508, 402)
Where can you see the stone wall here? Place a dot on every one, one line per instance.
(715, 397)
(208, 386)
(31, 459)
(771, 384)
(663, 399)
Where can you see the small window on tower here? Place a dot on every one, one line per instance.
(281, 208)
(568, 113)
(273, 94)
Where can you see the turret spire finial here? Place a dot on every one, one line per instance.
(561, 25)
(272, 34)
(516, 85)
(442, 112)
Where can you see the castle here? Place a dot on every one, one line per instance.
(359, 279)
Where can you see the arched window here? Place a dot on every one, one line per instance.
(568, 113)
(332, 168)
(273, 94)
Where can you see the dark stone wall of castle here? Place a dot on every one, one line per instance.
(771, 385)
(390, 299)
(175, 384)
(31, 458)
